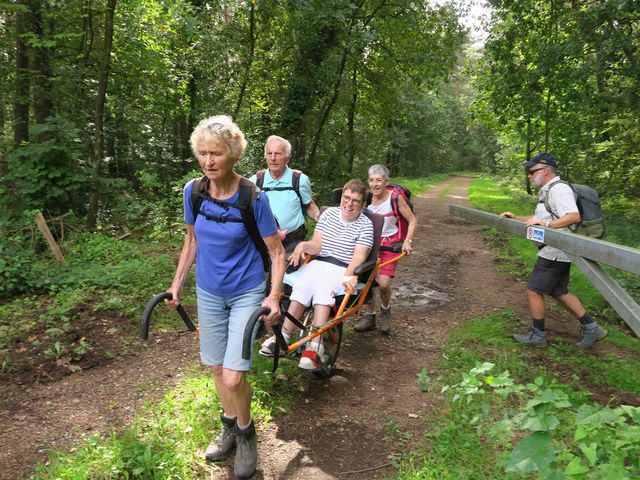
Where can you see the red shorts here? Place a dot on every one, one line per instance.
(388, 270)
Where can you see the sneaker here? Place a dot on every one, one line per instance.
(591, 333)
(222, 446)
(246, 452)
(368, 322)
(268, 347)
(385, 320)
(312, 356)
(533, 338)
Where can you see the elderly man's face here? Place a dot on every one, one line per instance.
(276, 158)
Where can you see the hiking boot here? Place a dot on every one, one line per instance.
(368, 322)
(591, 333)
(246, 451)
(385, 320)
(533, 338)
(312, 356)
(221, 447)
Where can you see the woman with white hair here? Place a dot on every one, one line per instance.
(389, 203)
(230, 276)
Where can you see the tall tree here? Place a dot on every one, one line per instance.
(103, 81)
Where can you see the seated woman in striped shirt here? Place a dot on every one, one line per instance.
(342, 240)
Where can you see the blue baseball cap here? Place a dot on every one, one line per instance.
(543, 158)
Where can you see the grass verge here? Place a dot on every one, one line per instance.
(501, 404)
(168, 437)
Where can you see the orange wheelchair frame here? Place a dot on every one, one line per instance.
(333, 327)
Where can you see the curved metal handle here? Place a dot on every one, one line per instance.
(248, 330)
(146, 315)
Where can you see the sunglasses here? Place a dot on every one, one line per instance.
(531, 172)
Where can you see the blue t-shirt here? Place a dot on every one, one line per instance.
(227, 261)
(285, 204)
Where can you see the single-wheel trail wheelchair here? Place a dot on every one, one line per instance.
(346, 305)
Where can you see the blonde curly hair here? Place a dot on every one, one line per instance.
(222, 129)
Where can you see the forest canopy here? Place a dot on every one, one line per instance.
(101, 96)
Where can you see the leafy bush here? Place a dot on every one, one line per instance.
(556, 437)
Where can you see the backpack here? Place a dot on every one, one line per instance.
(295, 186)
(591, 220)
(397, 191)
(247, 193)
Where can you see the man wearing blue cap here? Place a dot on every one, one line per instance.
(550, 274)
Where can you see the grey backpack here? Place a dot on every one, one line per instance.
(591, 220)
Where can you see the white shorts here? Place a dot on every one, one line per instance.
(320, 281)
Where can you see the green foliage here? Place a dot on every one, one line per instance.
(558, 436)
(561, 77)
(505, 414)
(42, 174)
(168, 437)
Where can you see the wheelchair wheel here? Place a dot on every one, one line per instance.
(331, 339)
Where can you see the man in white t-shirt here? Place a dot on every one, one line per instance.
(550, 274)
(341, 242)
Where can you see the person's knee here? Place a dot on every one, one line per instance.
(216, 370)
(233, 380)
(533, 294)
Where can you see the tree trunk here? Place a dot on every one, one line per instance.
(547, 120)
(40, 66)
(98, 146)
(21, 102)
(351, 115)
(247, 69)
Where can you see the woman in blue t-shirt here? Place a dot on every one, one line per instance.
(230, 279)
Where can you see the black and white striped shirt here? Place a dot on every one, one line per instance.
(339, 238)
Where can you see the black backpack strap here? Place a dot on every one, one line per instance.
(260, 179)
(198, 191)
(295, 183)
(295, 186)
(247, 194)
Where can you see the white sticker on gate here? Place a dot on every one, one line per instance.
(536, 234)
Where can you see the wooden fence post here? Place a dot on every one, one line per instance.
(44, 229)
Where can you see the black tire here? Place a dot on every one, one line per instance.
(331, 349)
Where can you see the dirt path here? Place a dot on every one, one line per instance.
(338, 428)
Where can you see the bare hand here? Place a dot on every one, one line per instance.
(407, 247)
(534, 221)
(273, 304)
(507, 215)
(349, 283)
(175, 301)
(298, 255)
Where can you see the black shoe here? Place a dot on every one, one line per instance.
(246, 451)
(222, 446)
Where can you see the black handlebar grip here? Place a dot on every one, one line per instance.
(248, 330)
(146, 315)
